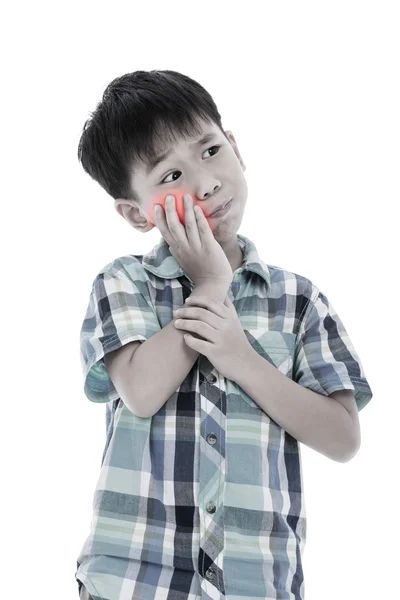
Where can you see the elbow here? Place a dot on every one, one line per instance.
(353, 440)
(140, 411)
(136, 413)
(350, 452)
(131, 406)
(142, 416)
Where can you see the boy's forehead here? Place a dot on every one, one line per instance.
(166, 141)
(166, 138)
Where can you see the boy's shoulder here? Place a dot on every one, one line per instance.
(279, 278)
(157, 261)
(121, 262)
(290, 282)
(128, 265)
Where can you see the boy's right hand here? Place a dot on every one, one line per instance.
(193, 245)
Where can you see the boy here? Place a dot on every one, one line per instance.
(200, 493)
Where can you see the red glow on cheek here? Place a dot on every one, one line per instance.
(179, 205)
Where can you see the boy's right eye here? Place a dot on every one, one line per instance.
(172, 172)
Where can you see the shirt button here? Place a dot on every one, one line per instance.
(212, 378)
(211, 439)
(210, 573)
(211, 507)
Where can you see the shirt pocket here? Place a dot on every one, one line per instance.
(277, 347)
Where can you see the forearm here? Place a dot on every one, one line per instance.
(162, 362)
(313, 419)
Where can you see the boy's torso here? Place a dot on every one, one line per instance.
(205, 497)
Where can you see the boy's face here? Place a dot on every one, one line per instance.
(211, 175)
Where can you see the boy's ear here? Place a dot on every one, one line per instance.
(130, 211)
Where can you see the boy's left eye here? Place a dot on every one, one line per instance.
(172, 172)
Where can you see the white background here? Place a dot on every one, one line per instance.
(309, 90)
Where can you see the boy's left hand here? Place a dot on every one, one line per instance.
(225, 344)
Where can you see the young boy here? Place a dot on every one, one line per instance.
(200, 493)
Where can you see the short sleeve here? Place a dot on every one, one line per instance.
(119, 311)
(325, 359)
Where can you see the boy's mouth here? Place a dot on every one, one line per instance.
(221, 211)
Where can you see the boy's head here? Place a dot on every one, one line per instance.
(145, 114)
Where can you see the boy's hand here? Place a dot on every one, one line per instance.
(225, 344)
(193, 244)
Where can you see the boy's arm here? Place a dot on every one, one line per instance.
(321, 422)
(159, 365)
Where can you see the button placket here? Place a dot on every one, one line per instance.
(211, 508)
(211, 439)
(210, 573)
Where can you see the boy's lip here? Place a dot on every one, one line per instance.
(220, 208)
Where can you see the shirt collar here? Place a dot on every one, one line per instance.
(161, 263)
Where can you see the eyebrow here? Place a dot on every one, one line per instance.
(158, 159)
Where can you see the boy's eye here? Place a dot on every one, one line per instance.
(172, 172)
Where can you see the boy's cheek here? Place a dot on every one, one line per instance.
(179, 205)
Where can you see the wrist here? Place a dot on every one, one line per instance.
(213, 288)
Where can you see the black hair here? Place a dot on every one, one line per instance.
(137, 111)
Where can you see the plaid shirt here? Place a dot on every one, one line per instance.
(205, 499)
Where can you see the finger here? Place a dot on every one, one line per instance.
(175, 226)
(199, 314)
(192, 230)
(211, 304)
(197, 344)
(160, 221)
(206, 331)
(205, 233)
